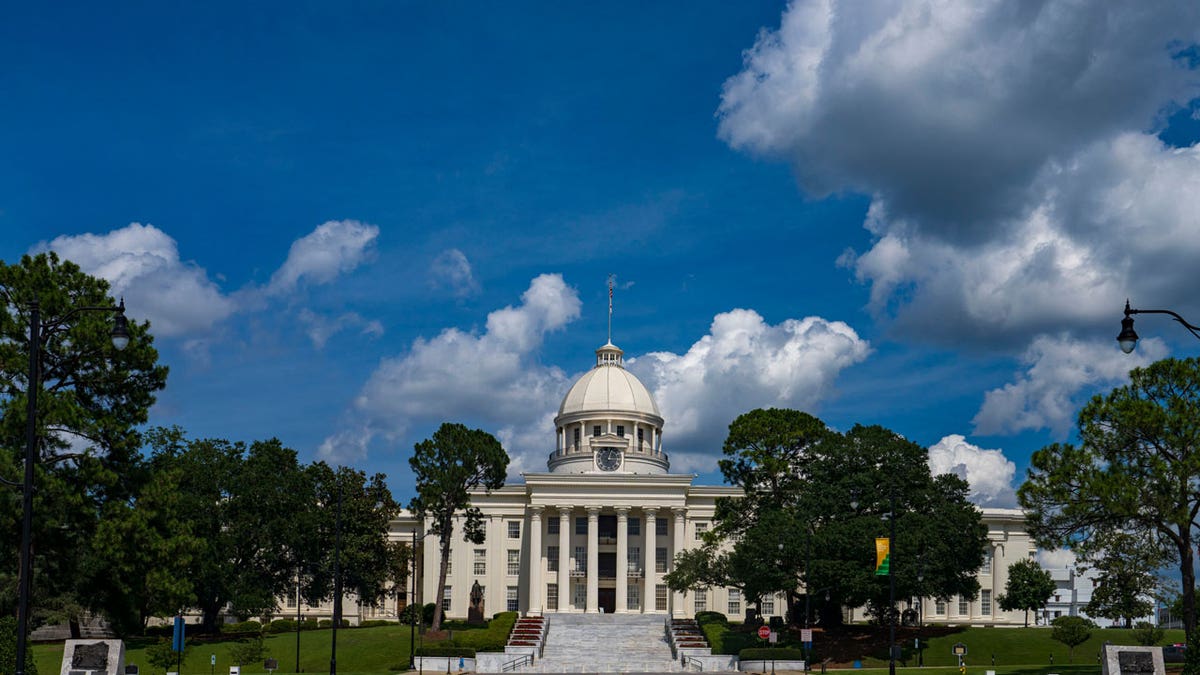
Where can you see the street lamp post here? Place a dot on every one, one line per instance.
(892, 583)
(1128, 338)
(120, 339)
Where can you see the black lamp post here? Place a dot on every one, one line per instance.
(1128, 337)
(120, 339)
(892, 584)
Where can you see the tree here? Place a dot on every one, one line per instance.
(1133, 471)
(447, 467)
(1072, 631)
(798, 480)
(248, 651)
(91, 402)
(1126, 582)
(1029, 587)
(161, 655)
(371, 566)
(8, 648)
(1148, 634)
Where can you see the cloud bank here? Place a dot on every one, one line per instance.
(989, 472)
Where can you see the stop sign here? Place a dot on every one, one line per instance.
(764, 632)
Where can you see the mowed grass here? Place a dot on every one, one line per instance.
(385, 649)
(361, 651)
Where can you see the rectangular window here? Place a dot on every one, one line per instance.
(449, 567)
(514, 529)
(581, 558)
(660, 560)
(701, 528)
(939, 607)
(986, 568)
(701, 600)
(768, 605)
(634, 557)
(596, 430)
(735, 603)
(513, 599)
(291, 601)
(641, 437)
(552, 597)
(577, 438)
(660, 527)
(446, 600)
(552, 526)
(551, 558)
(634, 600)
(963, 608)
(621, 430)
(514, 563)
(581, 595)
(581, 525)
(985, 602)
(635, 527)
(480, 562)
(660, 597)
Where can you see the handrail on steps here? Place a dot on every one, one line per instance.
(522, 660)
(689, 661)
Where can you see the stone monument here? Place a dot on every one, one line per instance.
(93, 657)
(475, 612)
(1128, 660)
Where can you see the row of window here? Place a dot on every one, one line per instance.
(512, 599)
(635, 530)
(633, 599)
(598, 429)
(964, 605)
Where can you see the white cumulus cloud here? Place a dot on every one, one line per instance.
(989, 472)
(743, 363)
(1045, 396)
(142, 263)
(334, 248)
(492, 378)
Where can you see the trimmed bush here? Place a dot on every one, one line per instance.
(242, 628)
(446, 650)
(704, 618)
(491, 639)
(777, 654)
(372, 623)
(427, 613)
(282, 626)
(8, 648)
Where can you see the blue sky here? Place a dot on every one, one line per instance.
(349, 223)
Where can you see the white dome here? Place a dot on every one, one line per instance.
(608, 388)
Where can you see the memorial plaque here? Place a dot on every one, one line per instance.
(93, 657)
(1131, 660)
(90, 657)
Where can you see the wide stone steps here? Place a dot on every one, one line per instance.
(605, 643)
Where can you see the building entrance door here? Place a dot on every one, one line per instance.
(607, 599)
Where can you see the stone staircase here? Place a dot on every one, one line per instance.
(605, 643)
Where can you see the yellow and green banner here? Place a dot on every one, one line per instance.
(883, 554)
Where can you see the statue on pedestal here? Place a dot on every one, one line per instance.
(475, 613)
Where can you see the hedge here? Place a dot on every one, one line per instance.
(242, 628)
(372, 623)
(491, 639)
(446, 650)
(282, 626)
(704, 618)
(768, 654)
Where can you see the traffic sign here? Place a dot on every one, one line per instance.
(764, 632)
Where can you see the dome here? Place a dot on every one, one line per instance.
(608, 388)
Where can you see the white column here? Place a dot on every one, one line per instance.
(593, 560)
(622, 559)
(534, 605)
(677, 597)
(564, 558)
(650, 578)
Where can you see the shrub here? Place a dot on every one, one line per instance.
(1147, 634)
(310, 624)
(281, 626)
(704, 618)
(492, 638)
(1191, 655)
(765, 654)
(248, 651)
(409, 615)
(242, 628)
(325, 623)
(162, 656)
(427, 613)
(8, 648)
(446, 650)
(372, 623)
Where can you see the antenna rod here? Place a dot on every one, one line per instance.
(610, 294)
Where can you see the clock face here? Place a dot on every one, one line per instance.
(608, 459)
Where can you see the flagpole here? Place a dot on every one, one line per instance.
(610, 298)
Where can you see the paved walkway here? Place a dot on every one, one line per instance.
(606, 643)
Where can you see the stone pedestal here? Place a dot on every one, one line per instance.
(1127, 660)
(93, 657)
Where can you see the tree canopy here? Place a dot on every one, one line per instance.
(1135, 469)
(1028, 588)
(795, 527)
(448, 467)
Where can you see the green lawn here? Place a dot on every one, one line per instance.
(385, 649)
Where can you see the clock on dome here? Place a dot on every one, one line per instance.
(608, 459)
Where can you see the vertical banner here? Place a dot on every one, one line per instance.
(177, 637)
(883, 552)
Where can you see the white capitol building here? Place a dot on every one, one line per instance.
(600, 528)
